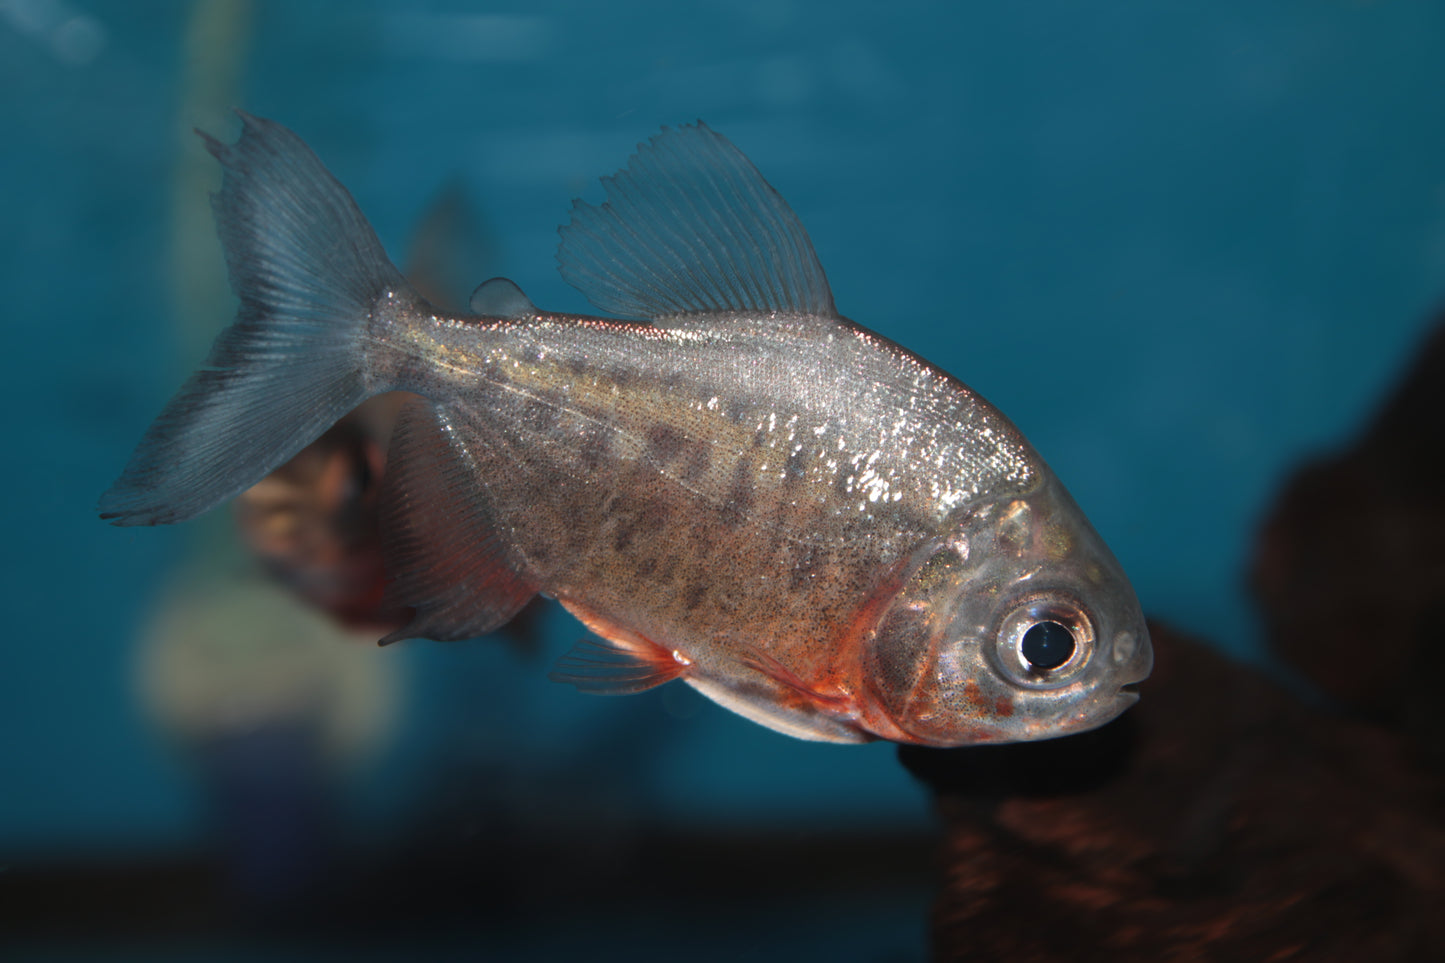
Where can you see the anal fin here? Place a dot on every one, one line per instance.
(446, 559)
(620, 662)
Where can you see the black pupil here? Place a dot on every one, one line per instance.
(1047, 645)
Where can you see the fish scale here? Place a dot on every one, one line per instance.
(591, 519)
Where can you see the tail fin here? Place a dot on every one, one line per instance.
(308, 270)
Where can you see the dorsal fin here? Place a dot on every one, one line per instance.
(501, 298)
(690, 227)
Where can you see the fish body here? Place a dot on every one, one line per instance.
(745, 490)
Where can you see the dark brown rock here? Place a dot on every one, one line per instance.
(1220, 819)
(1349, 570)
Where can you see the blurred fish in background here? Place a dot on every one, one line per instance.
(312, 523)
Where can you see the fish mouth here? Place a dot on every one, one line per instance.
(1130, 691)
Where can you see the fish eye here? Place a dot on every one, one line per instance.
(1044, 641)
(1046, 645)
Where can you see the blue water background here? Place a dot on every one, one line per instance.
(1181, 245)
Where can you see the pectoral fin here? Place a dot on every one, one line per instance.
(835, 702)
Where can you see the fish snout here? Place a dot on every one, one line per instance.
(1133, 660)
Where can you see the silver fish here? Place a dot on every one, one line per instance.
(806, 522)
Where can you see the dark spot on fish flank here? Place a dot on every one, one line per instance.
(578, 367)
(641, 524)
(623, 537)
(595, 448)
(699, 460)
(645, 568)
(740, 497)
(734, 411)
(577, 538)
(655, 517)
(843, 481)
(693, 595)
(664, 442)
(622, 377)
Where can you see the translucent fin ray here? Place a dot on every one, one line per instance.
(760, 661)
(306, 267)
(604, 667)
(690, 227)
(620, 663)
(443, 551)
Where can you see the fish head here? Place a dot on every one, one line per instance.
(1014, 624)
